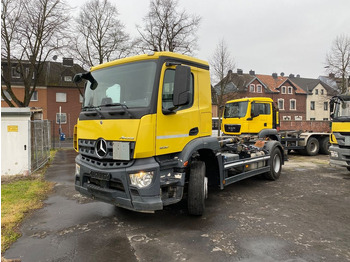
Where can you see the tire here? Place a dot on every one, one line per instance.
(275, 165)
(197, 189)
(324, 145)
(312, 147)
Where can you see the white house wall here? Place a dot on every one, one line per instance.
(319, 113)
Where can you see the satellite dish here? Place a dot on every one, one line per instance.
(54, 57)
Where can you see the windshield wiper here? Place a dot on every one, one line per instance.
(94, 109)
(123, 106)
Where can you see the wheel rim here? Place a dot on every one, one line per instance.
(205, 187)
(276, 163)
(313, 147)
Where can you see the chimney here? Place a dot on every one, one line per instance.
(291, 76)
(274, 75)
(298, 76)
(67, 61)
(252, 73)
(331, 75)
(239, 71)
(282, 74)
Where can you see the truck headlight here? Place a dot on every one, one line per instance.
(141, 179)
(334, 154)
(77, 169)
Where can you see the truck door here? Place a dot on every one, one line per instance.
(263, 120)
(175, 127)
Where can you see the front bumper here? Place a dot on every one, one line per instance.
(112, 185)
(339, 156)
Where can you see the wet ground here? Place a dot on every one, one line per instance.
(304, 216)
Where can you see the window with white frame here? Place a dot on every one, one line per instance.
(252, 88)
(34, 96)
(7, 95)
(281, 104)
(61, 97)
(293, 104)
(61, 117)
(68, 78)
(290, 90)
(27, 73)
(14, 73)
(284, 89)
(259, 88)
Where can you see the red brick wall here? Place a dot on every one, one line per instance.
(315, 126)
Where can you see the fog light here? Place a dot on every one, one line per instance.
(141, 179)
(77, 169)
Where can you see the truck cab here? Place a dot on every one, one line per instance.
(249, 116)
(340, 133)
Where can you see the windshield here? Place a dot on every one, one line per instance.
(236, 109)
(342, 110)
(128, 84)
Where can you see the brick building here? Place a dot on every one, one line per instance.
(54, 89)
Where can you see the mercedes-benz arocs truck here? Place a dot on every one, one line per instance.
(144, 141)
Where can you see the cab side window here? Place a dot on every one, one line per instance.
(168, 91)
(264, 109)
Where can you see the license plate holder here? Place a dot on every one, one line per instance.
(121, 151)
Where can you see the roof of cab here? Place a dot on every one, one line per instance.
(150, 56)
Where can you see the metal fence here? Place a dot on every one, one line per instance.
(40, 143)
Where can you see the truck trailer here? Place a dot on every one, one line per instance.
(144, 140)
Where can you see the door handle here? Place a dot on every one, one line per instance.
(194, 131)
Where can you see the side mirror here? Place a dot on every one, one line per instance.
(78, 78)
(331, 105)
(255, 110)
(182, 85)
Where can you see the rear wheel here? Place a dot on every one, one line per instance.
(324, 145)
(275, 165)
(312, 147)
(197, 189)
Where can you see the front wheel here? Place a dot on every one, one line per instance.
(312, 147)
(275, 165)
(197, 188)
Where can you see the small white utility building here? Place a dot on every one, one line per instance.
(15, 141)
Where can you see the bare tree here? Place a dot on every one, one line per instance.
(31, 31)
(167, 29)
(101, 37)
(338, 60)
(222, 65)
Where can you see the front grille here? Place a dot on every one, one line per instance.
(87, 150)
(233, 128)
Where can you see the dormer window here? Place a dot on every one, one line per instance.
(252, 88)
(14, 73)
(68, 79)
(258, 88)
(284, 89)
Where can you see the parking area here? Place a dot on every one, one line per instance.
(304, 216)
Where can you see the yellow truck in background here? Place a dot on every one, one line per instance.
(144, 140)
(340, 132)
(259, 116)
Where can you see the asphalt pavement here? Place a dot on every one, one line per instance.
(304, 216)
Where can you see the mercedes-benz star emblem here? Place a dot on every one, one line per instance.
(101, 148)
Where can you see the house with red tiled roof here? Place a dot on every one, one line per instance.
(289, 97)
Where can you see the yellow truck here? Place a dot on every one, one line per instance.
(259, 116)
(144, 140)
(340, 133)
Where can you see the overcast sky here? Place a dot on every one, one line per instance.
(290, 36)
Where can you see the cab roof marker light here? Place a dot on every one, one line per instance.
(150, 53)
